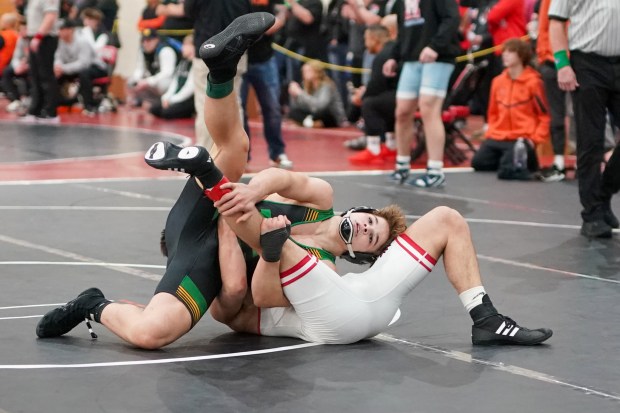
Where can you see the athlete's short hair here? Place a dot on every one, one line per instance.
(396, 220)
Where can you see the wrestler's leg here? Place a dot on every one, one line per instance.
(161, 322)
(221, 53)
(443, 231)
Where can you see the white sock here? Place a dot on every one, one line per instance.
(390, 141)
(403, 161)
(472, 297)
(558, 161)
(373, 144)
(434, 165)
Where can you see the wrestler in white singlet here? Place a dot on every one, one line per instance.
(327, 308)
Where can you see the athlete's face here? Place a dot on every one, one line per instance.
(370, 232)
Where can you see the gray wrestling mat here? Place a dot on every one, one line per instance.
(56, 239)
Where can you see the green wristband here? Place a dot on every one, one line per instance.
(561, 59)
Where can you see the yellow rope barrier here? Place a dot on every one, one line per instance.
(338, 68)
(330, 66)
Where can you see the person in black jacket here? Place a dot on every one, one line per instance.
(427, 45)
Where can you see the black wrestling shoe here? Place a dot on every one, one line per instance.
(192, 160)
(502, 330)
(491, 328)
(63, 319)
(222, 52)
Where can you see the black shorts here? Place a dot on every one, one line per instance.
(193, 271)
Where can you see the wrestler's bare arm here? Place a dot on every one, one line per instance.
(266, 286)
(291, 185)
(229, 301)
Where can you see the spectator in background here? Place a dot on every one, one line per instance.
(209, 17)
(76, 58)
(517, 110)
(17, 70)
(149, 18)
(109, 9)
(593, 76)
(178, 101)
(361, 13)
(93, 31)
(338, 46)
(41, 18)
(9, 25)
(177, 27)
(263, 76)
(504, 19)
(428, 43)
(378, 100)
(303, 34)
(555, 96)
(318, 102)
(154, 69)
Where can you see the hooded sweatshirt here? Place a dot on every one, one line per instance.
(518, 107)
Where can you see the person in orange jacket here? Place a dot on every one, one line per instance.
(517, 109)
(9, 23)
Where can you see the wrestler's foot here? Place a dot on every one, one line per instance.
(491, 328)
(193, 160)
(63, 319)
(222, 52)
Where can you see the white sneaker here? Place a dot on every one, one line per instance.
(48, 120)
(27, 119)
(308, 122)
(282, 162)
(14, 106)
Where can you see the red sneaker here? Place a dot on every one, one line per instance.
(387, 154)
(366, 157)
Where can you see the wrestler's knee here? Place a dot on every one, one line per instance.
(441, 220)
(143, 337)
(449, 217)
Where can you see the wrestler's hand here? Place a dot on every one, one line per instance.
(273, 234)
(241, 199)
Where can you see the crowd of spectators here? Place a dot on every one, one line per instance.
(375, 64)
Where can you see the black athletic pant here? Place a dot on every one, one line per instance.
(556, 98)
(378, 113)
(44, 89)
(598, 91)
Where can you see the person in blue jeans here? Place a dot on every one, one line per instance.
(263, 76)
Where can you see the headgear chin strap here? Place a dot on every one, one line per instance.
(346, 233)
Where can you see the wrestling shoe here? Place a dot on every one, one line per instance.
(222, 52)
(491, 328)
(193, 160)
(499, 329)
(63, 319)
(428, 180)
